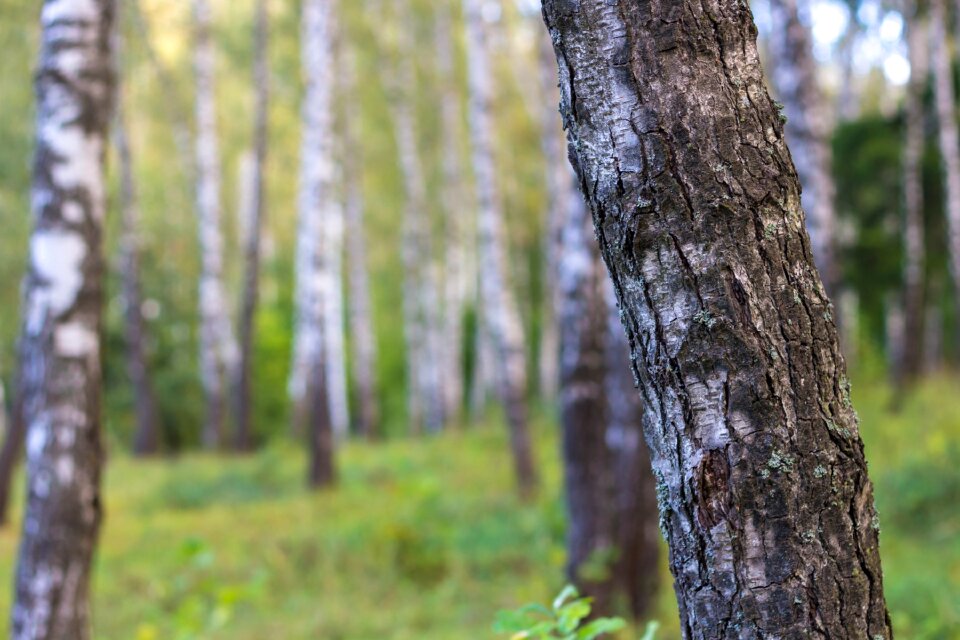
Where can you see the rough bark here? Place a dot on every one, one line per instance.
(317, 200)
(361, 318)
(556, 177)
(794, 74)
(242, 384)
(761, 478)
(62, 321)
(425, 397)
(911, 364)
(499, 313)
(459, 265)
(147, 435)
(946, 105)
(218, 349)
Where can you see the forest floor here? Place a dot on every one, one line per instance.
(424, 540)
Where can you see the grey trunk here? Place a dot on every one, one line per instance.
(499, 313)
(761, 478)
(242, 384)
(60, 365)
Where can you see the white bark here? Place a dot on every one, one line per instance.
(947, 117)
(218, 347)
(499, 313)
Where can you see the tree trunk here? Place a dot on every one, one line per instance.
(761, 478)
(218, 350)
(317, 202)
(147, 437)
(361, 319)
(947, 119)
(794, 75)
(60, 365)
(425, 398)
(499, 312)
(242, 386)
(459, 261)
(557, 176)
(911, 364)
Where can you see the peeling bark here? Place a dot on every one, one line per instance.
(218, 348)
(62, 323)
(499, 313)
(761, 478)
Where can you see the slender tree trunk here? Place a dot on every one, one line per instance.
(242, 387)
(761, 478)
(794, 75)
(147, 438)
(425, 401)
(62, 323)
(316, 202)
(361, 311)
(11, 450)
(459, 274)
(499, 312)
(557, 175)
(911, 364)
(218, 351)
(331, 245)
(949, 142)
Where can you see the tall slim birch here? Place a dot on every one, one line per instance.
(499, 313)
(218, 349)
(60, 365)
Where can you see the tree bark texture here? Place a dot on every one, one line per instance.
(147, 435)
(761, 478)
(946, 105)
(60, 363)
(317, 202)
(911, 365)
(499, 312)
(218, 349)
(243, 381)
(360, 308)
(794, 75)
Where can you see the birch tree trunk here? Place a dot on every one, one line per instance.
(458, 259)
(147, 438)
(910, 366)
(316, 200)
(499, 312)
(331, 244)
(794, 74)
(947, 118)
(425, 398)
(761, 477)
(361, 311)
(557, 175)
(62, 323)
(243, 373)
(218, 350)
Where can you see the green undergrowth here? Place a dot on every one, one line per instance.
(424, 539)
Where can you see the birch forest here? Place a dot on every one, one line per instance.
(395, 319)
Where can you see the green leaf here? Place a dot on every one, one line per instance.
(570, 615)
(651, 631)
(569, 592)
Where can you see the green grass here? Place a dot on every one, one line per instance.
(424, 539)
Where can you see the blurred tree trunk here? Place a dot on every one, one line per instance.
(557, 175)
(947, 118)
(361, 319)
(147, 437)
(761, 478)
(499, 313)
(61, 374)
(459, 262)
(911, 364)
(253, 212)
(218, 349)
(333, 316)
(308, 384)
(425, 398)
(794, 74)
